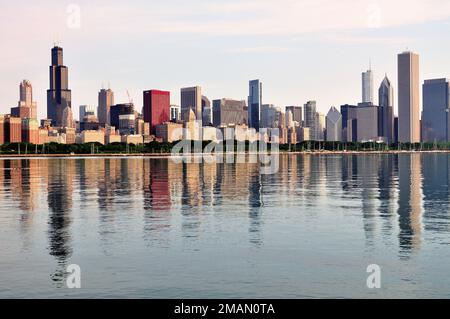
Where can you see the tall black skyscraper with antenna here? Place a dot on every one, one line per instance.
(59, 97)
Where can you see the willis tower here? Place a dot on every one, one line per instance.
(59, 97)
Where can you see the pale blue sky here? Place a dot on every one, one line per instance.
(301, 50)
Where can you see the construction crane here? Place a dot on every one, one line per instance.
(130, 100)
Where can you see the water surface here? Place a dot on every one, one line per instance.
(151, 228)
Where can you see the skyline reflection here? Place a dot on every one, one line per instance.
(403, 196)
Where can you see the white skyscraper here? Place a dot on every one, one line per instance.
(367, 87)
(334, 125)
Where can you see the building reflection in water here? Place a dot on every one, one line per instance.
(396, 196)
(410, 203)
(60, 189)
(436, 191)
(191, 199)
(157, 200)
(255, 203)
(387, 193)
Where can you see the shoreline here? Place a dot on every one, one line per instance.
(168, 155)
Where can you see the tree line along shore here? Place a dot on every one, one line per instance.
(24, 149)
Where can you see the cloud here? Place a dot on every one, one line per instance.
(222, 18)
(260, 49)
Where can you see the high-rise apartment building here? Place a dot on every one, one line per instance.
(310, 118)
(59, 97)
(408, 98)
(254, 104)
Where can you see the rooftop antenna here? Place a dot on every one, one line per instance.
(103, 86)
(109, 85)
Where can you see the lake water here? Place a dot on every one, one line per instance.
(152, 228)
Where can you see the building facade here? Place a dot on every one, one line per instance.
(310, 118)
(408, 98)
(156, 108)
(367, 87)
(105, 101)
(191, 99)
(59, 97)
(386, 111)
(120, 109)
(436, 104)
(254, 104)
(228, 112)
(334, 125)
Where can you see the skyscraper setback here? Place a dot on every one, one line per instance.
(59, 97)
(26, 108)
(408, 98)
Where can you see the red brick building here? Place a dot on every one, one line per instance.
(30, 131)
(13, 129)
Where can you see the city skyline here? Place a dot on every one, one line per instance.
(283, 57)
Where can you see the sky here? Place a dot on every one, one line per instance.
(301, 50)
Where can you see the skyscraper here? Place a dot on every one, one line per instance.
(436, 104)
(269, 115)
(59, 97)
(296, 113)
(254, 104)
(118, 110)
(310, 118)
(105, 101)
(320, 126)
(386, 111)
(367, 87)
(191, 99)
(26, 108)
(156, 108)
(334, 125)
(408, 98)
(206, 111)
